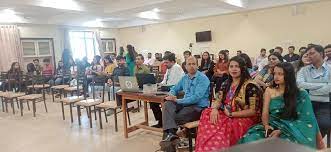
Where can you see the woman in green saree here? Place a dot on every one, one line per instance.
(130, 58)
(287, 112)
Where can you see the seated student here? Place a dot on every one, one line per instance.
(262, 60)
(221, 70)
(287, 112)
(120, 70)
(195, 84)
(47, 70)
(291, 56)
(264, 77)
(37, 67)
(302, 62)
(173, 75)
(93, 69)
(58, 77)
(149, 61)
(186, 55)
(249, 64)
(13, 75)
(327, 50)
(31, 69)
(140, 68)
(109, 66)
(237, 108)
(207, 65)
(317, 79)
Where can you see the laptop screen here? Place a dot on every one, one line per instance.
(145, 79)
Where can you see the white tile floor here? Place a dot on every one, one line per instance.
(47, 132)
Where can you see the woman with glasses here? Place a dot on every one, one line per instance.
(265, 77)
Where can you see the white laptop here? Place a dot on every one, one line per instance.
(129, 84)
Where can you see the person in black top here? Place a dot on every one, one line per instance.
(207, 65)
(291, 56)
(186, 55)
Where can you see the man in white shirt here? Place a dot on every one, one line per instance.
(149, 61)
(261, 60)
(172, 76)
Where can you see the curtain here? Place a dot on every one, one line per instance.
(10, 46)
(96, 35)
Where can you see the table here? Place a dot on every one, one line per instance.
(146, 98)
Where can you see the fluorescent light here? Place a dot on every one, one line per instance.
(149, 15)
(237, 3)
(9, 16)
(156, 10)
(95, 23)
(61, 4)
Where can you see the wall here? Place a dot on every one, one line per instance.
(249, 31)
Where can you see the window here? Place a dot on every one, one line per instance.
(36, 47)
(83, 44)
(108, 45)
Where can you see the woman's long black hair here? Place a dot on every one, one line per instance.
(291, 91)
(203, 61)
(226, 58)
(247, 60)
(132, 52)
(244, 75)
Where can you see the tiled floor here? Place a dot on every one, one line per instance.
(49, 133)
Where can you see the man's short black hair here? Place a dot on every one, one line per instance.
(170, 57)
(118, 58)
(187, 52)
(292, 47)
(140, 55)
(327, 46)
(35, 60)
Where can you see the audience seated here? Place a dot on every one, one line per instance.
(316, 78)
(302, 50)
(186, 55)
(237, 108)
(262, 60)
(195, 84)
(120, 70)
(37, 66)
(149, 61)
(47, 70)
(287, 112)
(291, 56)
(265, 76)
(109, 66)
(302, 62)
(58, 77)
(279, 50)
(173, 75)
(140, 67)
(327, 51)
(13, 75)
(249, 65)
(221, 70)
(207, 65)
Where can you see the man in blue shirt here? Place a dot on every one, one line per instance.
(195, 85)
(317, 79)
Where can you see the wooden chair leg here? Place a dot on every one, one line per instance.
(190, 140)
(129, 118)
(6, 103)
(17, 103)
(100, 120)
(115, 118)
(27, 102)
(52, 90)
(21, 107)
(45, 106)
(34, 108)
(95, 113)
(71, 117)
(105, 112)
(78, 114)
(90, 114)
(3, 105)
(62, 108)
(12, 105)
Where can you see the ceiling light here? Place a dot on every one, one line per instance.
(9, 16)
(61, 4)
(95, 23)
(149, 15)
(237, 3)
(156, 10)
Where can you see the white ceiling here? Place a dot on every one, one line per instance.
(124, 13)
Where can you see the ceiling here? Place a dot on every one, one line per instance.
(123, 13)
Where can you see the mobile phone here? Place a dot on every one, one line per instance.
(268, 132)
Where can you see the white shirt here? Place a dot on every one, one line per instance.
(261, 62)
(149, 61)
(173, 75)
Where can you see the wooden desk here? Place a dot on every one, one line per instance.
(146, 98)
